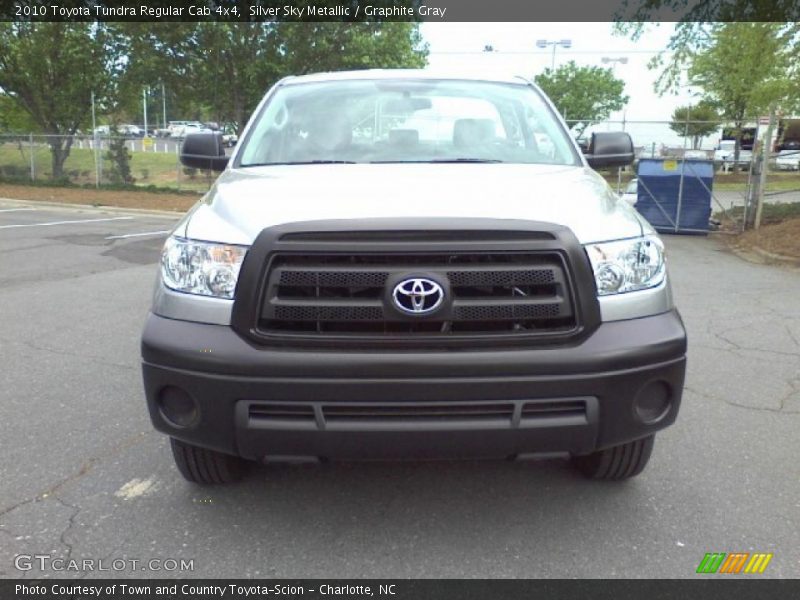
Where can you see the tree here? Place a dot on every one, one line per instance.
(50, 71)
(158, 53)
(119, 157)
(236, 64)
(220, 71)
(584, 94)
(695, 122)
(743, 68)
(637, 12)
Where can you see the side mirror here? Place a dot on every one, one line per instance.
(614, 149)
(204, 151)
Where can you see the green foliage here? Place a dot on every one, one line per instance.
(13, 118)
(220, 71)
(588, 94)
(120, 158)
(744, 69)
(49, 70)
(634, 13)
(695, 122)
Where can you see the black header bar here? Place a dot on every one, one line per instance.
(400, 10)
(710, 587)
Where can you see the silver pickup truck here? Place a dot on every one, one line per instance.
(404, 264)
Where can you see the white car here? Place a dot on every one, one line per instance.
(182, 132)
(788, 160)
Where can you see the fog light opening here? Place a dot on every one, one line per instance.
(653, 402)
(177, 407)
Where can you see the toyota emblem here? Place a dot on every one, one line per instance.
(417, 296)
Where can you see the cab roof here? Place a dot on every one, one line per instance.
(398, 74)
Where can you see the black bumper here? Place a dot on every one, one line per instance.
(287, 402)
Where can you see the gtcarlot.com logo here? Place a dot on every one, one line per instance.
(734, 563)
(45, 562)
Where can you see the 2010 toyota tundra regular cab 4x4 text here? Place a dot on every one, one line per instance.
(398, 264)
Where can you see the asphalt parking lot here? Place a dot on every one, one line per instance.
(85, 476)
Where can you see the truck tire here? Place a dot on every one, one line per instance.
(203, 466)
(618, 462)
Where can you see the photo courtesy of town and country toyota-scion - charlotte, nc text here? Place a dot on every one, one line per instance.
(288, 11)
(188, 590)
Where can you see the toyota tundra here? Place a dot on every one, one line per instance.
(411, 265)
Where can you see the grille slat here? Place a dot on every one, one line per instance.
(387, 412)
(349, 293)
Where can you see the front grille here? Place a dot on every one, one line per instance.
(486, 293)
(417, 412)
(498, 413)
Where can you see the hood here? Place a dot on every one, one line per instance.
(244, 201)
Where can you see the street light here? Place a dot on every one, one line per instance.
(554, 44)
(623, 60)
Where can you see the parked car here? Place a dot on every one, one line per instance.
(724, 155)
(229, 136)
(788, 160)
(631, 193)
(129, 130)
(695, 155)
(348, 289)
(181, 132)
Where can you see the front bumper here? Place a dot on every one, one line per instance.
(261, 402)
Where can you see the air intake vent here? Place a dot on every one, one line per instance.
(281, 412)
(417, 412)
(554, 410)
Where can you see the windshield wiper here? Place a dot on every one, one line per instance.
(441, 160)
(466, 160)
(301, 162)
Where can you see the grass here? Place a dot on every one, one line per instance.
(777, 181)
(771, 214)
(157, 169)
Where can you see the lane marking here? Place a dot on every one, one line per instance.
(131, 235)
(2, 210)
(66, 222)
(137, 487)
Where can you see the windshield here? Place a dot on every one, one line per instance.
(406, 121)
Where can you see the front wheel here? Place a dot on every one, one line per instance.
(618, 462)
(204, 466)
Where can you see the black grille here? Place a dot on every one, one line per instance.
(349, 293)
(506, 413)
(417, 412)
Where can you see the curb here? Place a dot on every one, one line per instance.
(777, 257)
(91, 207)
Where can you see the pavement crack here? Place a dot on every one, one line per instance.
(84, 469)
(779, 410)
(93, 359)
(70, 524)
(792, 336)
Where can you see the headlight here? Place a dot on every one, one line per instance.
(201, 268)
(627, 265)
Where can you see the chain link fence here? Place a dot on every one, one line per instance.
(152, 162)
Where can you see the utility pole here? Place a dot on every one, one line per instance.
(144, 105)
(683, 168)
(766, 149)
(164, 104)
(94, 135)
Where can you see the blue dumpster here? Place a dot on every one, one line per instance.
(675, 195)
